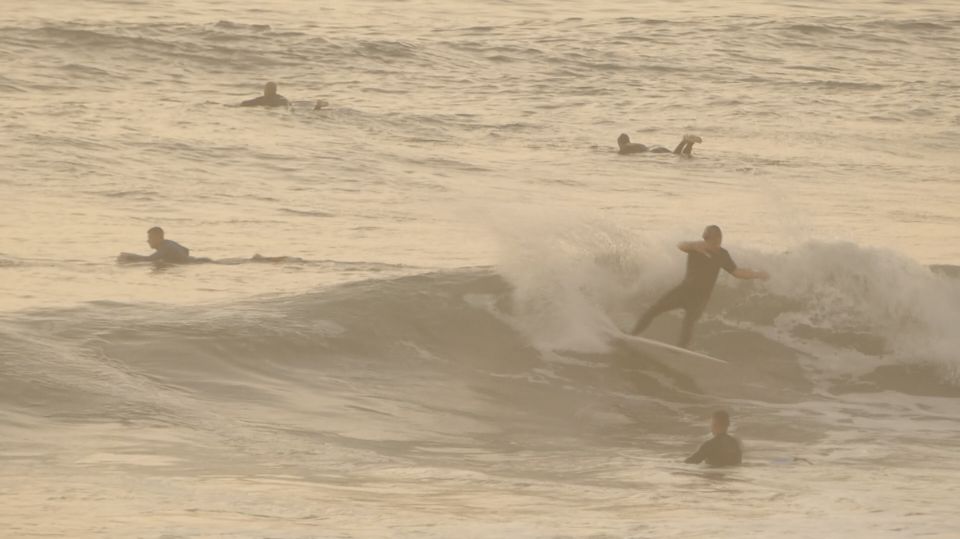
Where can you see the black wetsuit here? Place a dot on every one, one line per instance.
(692, 294)
(168, 252)
(275, 100)
(171, 252)
(721, 450)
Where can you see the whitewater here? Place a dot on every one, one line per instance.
(430, 354)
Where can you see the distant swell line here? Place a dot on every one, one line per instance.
(306, 213)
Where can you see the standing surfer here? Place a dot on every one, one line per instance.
(704, 260)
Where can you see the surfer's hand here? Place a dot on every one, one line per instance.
(762, 275)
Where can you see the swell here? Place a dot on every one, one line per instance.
(456, 342)
(511, 59)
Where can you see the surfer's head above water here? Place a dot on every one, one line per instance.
(719, 422)
(270, 89)
(722, 449)
(713, 236)
(155, 237)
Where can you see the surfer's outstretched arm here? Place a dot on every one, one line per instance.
(731, 267)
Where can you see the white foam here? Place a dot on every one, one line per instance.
(844, 287)
(570, 274)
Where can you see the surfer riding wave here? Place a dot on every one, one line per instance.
(704, 261)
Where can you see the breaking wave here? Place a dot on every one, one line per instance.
(479, 344)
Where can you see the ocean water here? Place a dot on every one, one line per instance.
(431, 358)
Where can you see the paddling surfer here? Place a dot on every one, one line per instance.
(167, 251)
(270, 98)
(704, 261)
(685, 147)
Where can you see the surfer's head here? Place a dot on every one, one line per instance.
(270, 89)
(720, 422)
(713, 235)
(623, 139)
(155, 237)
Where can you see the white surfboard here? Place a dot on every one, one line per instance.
(652, 346)
(709, 375)
(644, 343)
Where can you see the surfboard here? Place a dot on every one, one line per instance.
(645, 343)
(706, 373)
(656, 347)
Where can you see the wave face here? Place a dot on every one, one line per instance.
(484, 343)
(473, 380)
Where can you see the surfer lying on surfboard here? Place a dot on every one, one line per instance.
(170, 252)
(271, 99)
(166, 251)
(684, 148)
(704, 260)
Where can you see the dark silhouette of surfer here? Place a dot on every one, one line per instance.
(170, 252)
(684, 148)
(722, 449)
(167, 251)
(270, 98)
(704, 261)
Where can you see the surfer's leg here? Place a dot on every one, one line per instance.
(689, 140)
(670, 301)
(690, 316)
